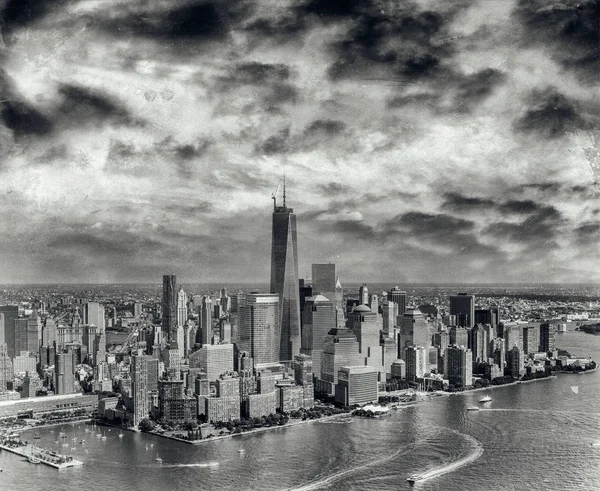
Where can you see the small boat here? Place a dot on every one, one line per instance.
(485, 399)
(65, 444)
(103, 437)
(82, 441)
(34, 460)
(36, 436)
(158, 459)
(472, 408)
(241, 450)
(121, 435)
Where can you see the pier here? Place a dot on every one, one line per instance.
(37, 455)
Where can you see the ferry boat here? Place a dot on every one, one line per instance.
(485, 399)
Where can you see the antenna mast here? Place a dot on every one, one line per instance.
(284, 185)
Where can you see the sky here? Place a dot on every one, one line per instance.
(422, 141)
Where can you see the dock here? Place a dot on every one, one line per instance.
(42, 456)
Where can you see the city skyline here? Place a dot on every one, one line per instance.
(459, 143)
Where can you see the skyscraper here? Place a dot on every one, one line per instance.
(64, 378)
(324, 281)
(11, 313)
(259, 327)
(169, 309)
(139, 387)
(363, 295)
(318, 318)
(182, 300)
(414, 331)
(93, 314)
(458, 366)
(206, 320)
(463, 307)
(399, 298)
(284, 278)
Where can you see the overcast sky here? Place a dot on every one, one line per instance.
(450, 141)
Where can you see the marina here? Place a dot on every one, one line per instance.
(36, 455)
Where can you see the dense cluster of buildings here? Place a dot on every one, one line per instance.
(226, 356)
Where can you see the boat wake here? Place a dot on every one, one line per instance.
(476, 452)
(338, 475)
(199, 464)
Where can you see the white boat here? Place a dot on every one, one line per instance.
(34, 460)
(158, 459)
(485, 399)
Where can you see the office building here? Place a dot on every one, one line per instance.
(416, 363)
(64, 378)
(11, 314)
(182, 309)
(365, 323)
(547, 335)
(463, 307)
(324, 281)
(363, 295)
(213, 360)
(458, 366)
(258, 330)
(318, 318)
(478, 341)
(530, 338)
(284, 278)
(414, 331)
(169, 309)
(25, 362)
(34, 332)
(340, 348)
(93, 315)
(31, 383)
(225, 404)
(48, 332)
(399, 298)
(356, 385)
(206, 311)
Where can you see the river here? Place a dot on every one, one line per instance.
(531, 436)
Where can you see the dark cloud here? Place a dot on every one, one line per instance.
(80, 105)
(196, 20)
(400, 40)
(550, 115)
(350, 229)
(22, 13)
(24, 120)
(588, 233)
(325, 126)
(541, 228)
(423, 99)
(569, 30)
(425, 223)
(520, 207)
(255, 73)
(459, 202)
(335, 189)
(275, 144)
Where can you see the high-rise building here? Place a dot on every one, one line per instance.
(138, 308)
(365, 323)
(416, 362)
(478, 340)
(363, 295)
(34, 332)
(284, 278)
(531, 339)
(169, 309)
(340, 348)
(64, 378)
(318, 318)
(205, 313)
(11, 313)
(356, 385)
(139, 387)
(458, 366)
(6, 371)
(324, 281)
(48, 332)
(182, 313)
(213, 359)
(258, 330)
(514, 362)
(399, 298)
(414, 331)
(93, 315)
(547, 334)
(463, 307)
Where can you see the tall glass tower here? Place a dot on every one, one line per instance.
(169, 309)
(284, 277)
